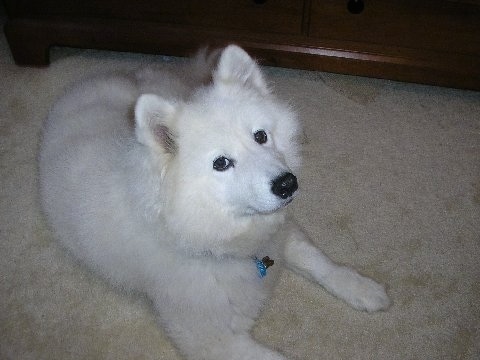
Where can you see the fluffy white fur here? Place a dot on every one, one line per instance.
(128, 185)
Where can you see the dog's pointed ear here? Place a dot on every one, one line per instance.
(153, 121)
(236, 66)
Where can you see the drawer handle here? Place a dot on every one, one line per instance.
(355, 6)
(259, 2)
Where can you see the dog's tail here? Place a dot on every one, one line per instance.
(204, 63)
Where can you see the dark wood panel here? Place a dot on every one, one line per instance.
(278, 16)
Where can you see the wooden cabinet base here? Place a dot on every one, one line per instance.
(31, 37)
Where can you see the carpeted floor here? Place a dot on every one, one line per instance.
(391, 185)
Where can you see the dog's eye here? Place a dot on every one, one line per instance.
(222, 163)
(260, 136)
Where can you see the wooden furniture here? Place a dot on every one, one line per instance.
(425, 41)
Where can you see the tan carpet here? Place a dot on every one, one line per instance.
(391, 185)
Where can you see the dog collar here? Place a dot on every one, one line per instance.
(263, 265)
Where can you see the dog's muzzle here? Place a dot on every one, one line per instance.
(285, 185)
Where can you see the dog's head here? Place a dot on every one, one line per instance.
(231, 149)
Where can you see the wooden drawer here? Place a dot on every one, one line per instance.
(432, 25)
(279, 16)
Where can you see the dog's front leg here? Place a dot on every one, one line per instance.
(204, 321)
(360, 292)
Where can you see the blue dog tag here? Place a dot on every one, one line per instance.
(262, 269)
(262, 265)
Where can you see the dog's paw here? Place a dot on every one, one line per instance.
(362, 293)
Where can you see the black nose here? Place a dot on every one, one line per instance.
(285, 185)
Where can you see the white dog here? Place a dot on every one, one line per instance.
(174, 185)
